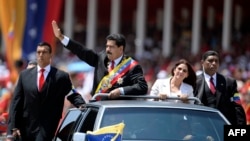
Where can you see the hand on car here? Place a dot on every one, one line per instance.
(183, 97)
(114, 93)
(163, 96)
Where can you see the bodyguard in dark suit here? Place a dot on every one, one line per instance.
(35, 113)
(222, 97)
(125, 77)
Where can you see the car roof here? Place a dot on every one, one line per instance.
(149, 101)
(148, 104)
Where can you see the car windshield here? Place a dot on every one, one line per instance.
(165, 123)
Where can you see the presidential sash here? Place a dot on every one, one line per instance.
(115, 75)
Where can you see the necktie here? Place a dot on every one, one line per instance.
(212, 87)
(112, 65)
(41, 79)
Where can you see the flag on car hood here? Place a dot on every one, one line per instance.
(108, 133)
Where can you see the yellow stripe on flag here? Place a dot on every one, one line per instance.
(116, 129)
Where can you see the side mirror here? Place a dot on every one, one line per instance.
(78, 136)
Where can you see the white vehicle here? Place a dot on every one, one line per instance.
(145, 120)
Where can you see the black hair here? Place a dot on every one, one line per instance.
(45, 44)
(19, 63)
(118, 38)
(32, 62)
(209, 53)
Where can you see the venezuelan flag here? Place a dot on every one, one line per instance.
(236, 98)
(108, 133)
(25, 23)
(39, 14)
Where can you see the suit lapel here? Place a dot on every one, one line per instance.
(220, 88)
(201, 82)
(33, 78)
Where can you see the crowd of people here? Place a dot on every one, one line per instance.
(118, 73)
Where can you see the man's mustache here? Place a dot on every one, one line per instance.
(109, 53)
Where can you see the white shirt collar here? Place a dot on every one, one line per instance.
(47, 68)
(207, 77)
(118, 60)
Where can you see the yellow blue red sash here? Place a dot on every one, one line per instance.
(115, 75)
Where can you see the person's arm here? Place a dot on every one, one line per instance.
(58, 34)
(155, 88)
(238, 109)
(138, 84)
(88, 55)
(75, 98)
(15, 110)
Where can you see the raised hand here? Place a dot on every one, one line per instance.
(57, 31)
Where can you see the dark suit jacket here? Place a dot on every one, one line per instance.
(226, 87)
(133, 81)
(38, 113)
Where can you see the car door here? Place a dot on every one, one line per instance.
(88, 121)
(68, 125)
(76, 121)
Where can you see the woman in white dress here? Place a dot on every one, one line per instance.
(180, 84)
